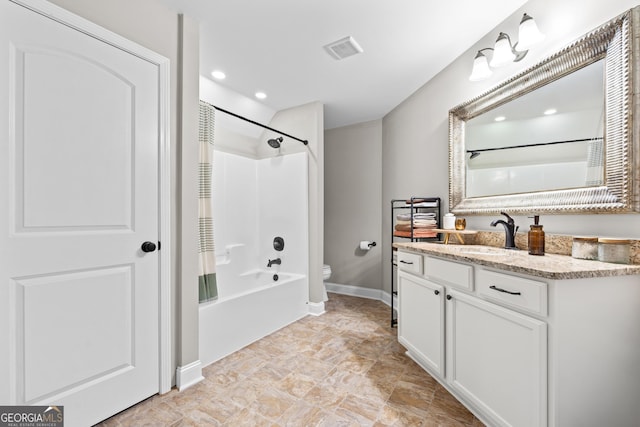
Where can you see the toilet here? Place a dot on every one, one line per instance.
(326, 274)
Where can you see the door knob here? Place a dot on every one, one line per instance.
(148, 247)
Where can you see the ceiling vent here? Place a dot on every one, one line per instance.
(344, 48)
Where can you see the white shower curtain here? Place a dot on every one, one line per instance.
(595, 163)
(208, 289)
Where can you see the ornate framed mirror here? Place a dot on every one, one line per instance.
(583, 159)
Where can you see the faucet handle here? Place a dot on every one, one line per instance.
(508, 217)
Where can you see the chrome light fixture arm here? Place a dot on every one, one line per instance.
(519, 54)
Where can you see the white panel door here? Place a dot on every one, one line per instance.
(79, 299)
(421, 320)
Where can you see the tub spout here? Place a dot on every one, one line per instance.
(274, 261)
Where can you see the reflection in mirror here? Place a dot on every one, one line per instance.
(524, 164)
(548, 139)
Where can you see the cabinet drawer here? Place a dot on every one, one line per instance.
(518, 292)
(410, 262)
(449, 273)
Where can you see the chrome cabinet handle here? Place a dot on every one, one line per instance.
(495, 288)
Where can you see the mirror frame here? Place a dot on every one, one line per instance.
(616, 43)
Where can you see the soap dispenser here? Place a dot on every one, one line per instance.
(536, 237)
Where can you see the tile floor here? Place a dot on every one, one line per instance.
(344, 368)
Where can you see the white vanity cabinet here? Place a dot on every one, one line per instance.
(497, 360)
(521, 349)
(421, 320)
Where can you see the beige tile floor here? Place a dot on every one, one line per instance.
(344, 368)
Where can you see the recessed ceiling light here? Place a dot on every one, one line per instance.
(261, 95)
(550, 111)
(219, 75)
(500, 119)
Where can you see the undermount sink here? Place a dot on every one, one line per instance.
(482, 250)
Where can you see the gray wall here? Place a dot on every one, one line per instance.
(415, 133)
(156, 27)
(414, 151)
(353, 195)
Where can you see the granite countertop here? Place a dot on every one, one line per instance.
(549, 266)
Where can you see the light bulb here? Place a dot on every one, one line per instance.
(528, 33)
(480, 69)
(502, 51)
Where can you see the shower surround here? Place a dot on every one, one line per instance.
(255, 200)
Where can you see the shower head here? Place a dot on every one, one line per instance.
(275, 143)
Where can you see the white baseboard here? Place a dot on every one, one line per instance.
(316, 308)
(189, 375)
(386, 298)
(358, 291)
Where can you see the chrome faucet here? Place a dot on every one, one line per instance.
(509, 230)
(274, 261)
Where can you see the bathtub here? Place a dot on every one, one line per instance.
(250, 306)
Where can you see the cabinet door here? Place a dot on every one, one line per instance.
(497, 360)
(421, 320)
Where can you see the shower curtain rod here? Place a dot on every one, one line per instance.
(304, 141)
(475, 153)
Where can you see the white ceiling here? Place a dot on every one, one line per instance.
(276, 46)
(581, 90)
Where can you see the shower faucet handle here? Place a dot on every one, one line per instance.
(278, 243)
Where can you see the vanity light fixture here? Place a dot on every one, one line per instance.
(528, 33)
(504, 51)
(481, 68)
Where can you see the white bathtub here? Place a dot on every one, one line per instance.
(249, 307)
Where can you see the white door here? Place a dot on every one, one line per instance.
(497, 360)
(79, 299)
(421, 320)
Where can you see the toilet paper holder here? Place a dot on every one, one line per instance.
(365, 245)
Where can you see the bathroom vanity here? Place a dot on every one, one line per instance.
(524, 340)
